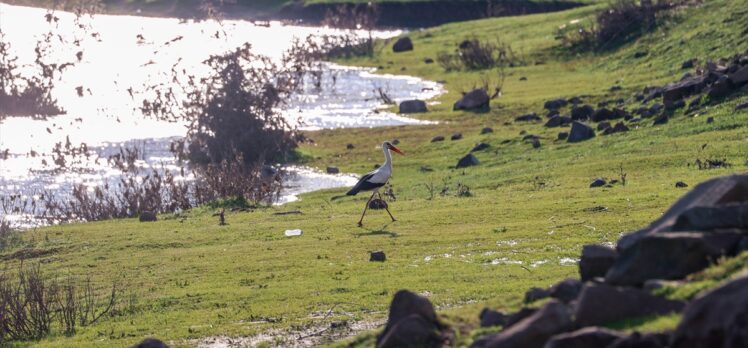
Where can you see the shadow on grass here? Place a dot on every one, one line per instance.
(382, 231)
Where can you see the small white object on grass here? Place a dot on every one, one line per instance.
(293, 233)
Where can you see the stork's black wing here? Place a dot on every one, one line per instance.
(364, 185)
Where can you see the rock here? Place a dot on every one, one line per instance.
(654, 284)
(671, 255)
(395, 141)
(456, 136)
(535, 294)
(710, 120)
(552, 113)
(725, 216)
(555, 104)
(641, 54)
(689, 63)
(680, 103)
(615, 88)
(518, 316)
(742, 106)
(148, 216)
(681, 184)
(618, 128)
(662, 119)
(681, 89)
(595, 261)
(402, 44)
(599, 182)
(563, 135)
(413, 106)
(531, 117)
(486, 130)
(378, 204)
(418, 319)
(740, 76)
(721, 88)
(536, 143)
(332, 170)
(638, 340)
(523, 78)
(377, 256)
(151, 343)
(480, 147)
(600, 304)
(476, 99)
(603, 125)
(530, 137)
(468, 161)
(557, 121)
(575, 100)
(489, 317)
(350, 147)
(437, 138)
(566, 290)
(428, 60)
(588, 337)
(580, 132)
(582, 113)
(533, 331)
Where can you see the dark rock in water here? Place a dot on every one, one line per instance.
(716, 319)
(681, 89)
(599, 182)
(489, 317)
(531, 117)
(662, 119)
(402, 44)
(563, 135)
(428, 60)
(689, 63)
(148, 216)
(377, 204)
(350, 147)
(456, 136)
(582, 113)
(411, 323)
(580, 132)
(468, 161)
(533, 331)
(518, 316)
(681, 184)
(603, 125)
(742, 106)
(536, 143)
(600, 304)
(721, 88)
(588, 337)
(535, 294)
(638, 340)
(413, 106)
(476, 99)
(740, 76)
(555, 104)
(710, 120)
(566, 290)
(437, 138)
(595, 261)
(332, 170)
(151, 343)
(480, 147)
(486, 130)
(377, 256)
(670, 255)
(558, 121)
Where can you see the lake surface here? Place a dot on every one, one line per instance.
(124, 53)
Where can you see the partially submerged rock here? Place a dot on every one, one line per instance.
(413, 106)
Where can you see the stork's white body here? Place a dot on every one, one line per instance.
(375, 179)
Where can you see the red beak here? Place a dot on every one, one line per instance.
(393, 148)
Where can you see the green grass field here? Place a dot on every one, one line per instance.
(529, 213)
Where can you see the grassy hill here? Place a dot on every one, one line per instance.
(528, 213)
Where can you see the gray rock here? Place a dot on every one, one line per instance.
(536, 143)
(555, 104)
(595, 261)
(602, 114)
(689, 63)
(413, 106)
(710, 120)
(533, 331)
(733, 215)
(476, 99)
(567, 290)
(332, 170)
(411, 331)
(535, 294)
(600, 304)
(518, 316)
(740, 76)
(151, 343)
(580, 132)
(588, 337)
(662, 119)
(456, 136)
(742, 106)
(599, 182)
(582, 113)
(480, 147)
(468, 161)
(681, 184)
(721, 88)
(558, 121)
(437, 138)
(603, 125)
(638, 340)
(148, 216)
(486, 130)
(377, 256)
(563, 135)
(489, 317)
(402, 44)
(531, 117)
(681, 89)
(350, 147)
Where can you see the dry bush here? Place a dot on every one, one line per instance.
(474, 54)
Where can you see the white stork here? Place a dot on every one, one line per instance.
(375, 179)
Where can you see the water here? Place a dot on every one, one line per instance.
(124, 53)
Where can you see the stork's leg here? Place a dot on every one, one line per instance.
(361, 222)
(386, 208)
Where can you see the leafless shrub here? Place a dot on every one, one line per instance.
(8, 236)
(474, 54)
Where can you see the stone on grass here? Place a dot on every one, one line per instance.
(580, 132)
(456, 136)
(595, 261)
(148, 216)
(603, 125)
(413, 106)
(726, 216)
(742, 106)
(531, 117)
(683, 88)
(582, 113)
(535, 143)
(151, 343)
(535, 294)
(518, 316)
(662, 119)
(567, 290)
(721, 88)
(563, 135)
(740, 76)
(377, 256)
(555, 104)
(468, 161)
(588, 337)
(411, 323)
(378, 204)
(437, 138)
(350, 147)
(681, 184)
(558, 121)
(490, 317)
(533, 331)
(710, 119)
(599, 182)
(639, 340)
(480, 147)
(600, 304)
(332, 170)
(476, 99)
(402, 44)
(486, 130)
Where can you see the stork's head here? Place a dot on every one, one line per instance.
(388, 145)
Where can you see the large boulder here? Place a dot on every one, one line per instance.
(683, 88)
(670, 256)
(535, 294)
(555, 104)
(518, 316)
(602, 114)
(533, 331)
(600, 304)
(733, 215)
(588, 337)
(489, 317)
(151, 343)
(595, 261)
(413, 106)
(740, 76)
(402, 44)
(582, 113)
(468, 161)
(477, 100)
(411, 323)
(567, 290)
(580, 132)
(558, 121)
(721, 88)
(716, 319)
